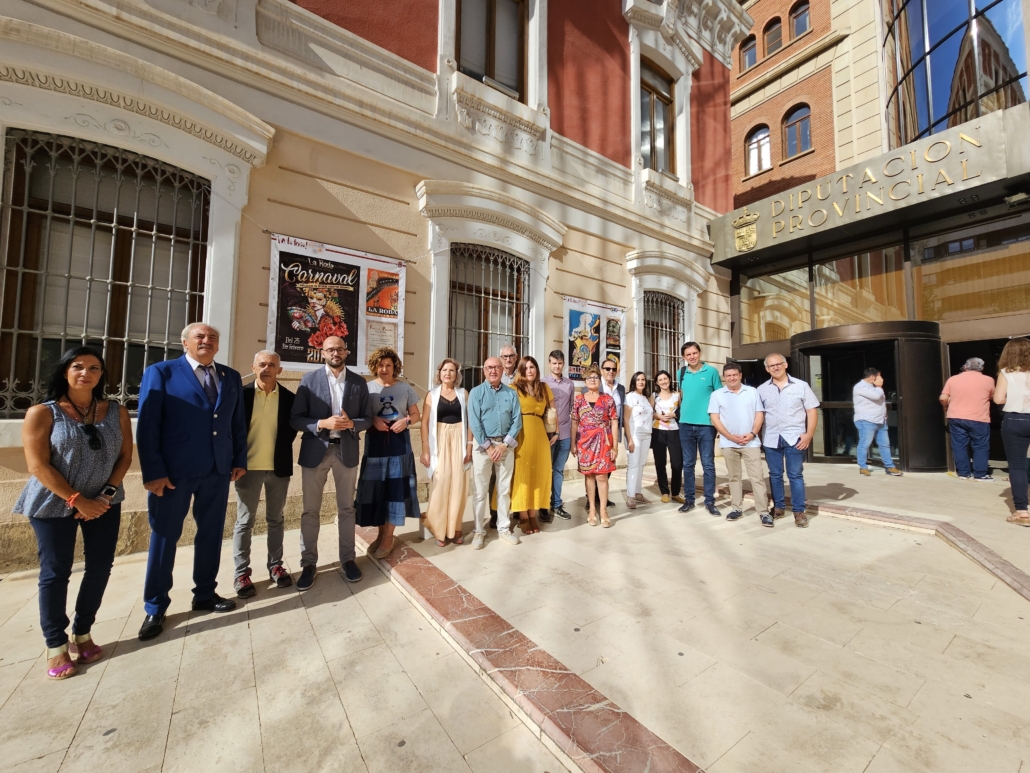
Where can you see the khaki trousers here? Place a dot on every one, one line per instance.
(752, 460)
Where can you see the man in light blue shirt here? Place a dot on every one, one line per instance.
(495, 418)
(871, 421)
(791, 416)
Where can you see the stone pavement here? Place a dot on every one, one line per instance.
(339, 678)
(843, 647)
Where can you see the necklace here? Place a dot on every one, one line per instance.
(83, 412)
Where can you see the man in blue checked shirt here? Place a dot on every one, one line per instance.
(495, 419)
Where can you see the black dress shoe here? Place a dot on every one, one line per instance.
(734, 515)
(767, 519)
(713, 510)
(686, 507)
(544, 516)
(214, 604)
(152, 627)
(351, 573)
(560, 512)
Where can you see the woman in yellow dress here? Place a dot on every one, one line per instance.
(531, 481)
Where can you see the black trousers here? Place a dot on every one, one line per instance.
(666, 443)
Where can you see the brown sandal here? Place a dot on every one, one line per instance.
(457, 539)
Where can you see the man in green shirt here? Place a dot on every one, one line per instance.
(697, 380)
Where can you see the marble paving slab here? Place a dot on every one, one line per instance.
(591, 731)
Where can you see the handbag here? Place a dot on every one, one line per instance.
(550, 420)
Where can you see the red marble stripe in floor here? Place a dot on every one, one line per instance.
(593, 731)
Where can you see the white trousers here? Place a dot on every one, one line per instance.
(482, 467)
(635, 465)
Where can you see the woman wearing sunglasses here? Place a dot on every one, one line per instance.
(78, 447)
(595, 432)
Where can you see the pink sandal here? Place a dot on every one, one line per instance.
(90, 654)
(62, 671)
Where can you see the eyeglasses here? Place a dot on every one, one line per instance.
(336, 350)
(590, 378)
(491, 367)
(508, 356)
(93, 435)
(777, 365)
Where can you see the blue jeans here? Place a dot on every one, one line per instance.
(965, 434)
(559, 456)
(694, 438)
(55, 540)
(867, 430)
(795, 459)
(1015, 432)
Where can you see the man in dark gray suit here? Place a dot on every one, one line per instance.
(331, 408)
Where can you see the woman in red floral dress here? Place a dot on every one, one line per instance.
(595, 425)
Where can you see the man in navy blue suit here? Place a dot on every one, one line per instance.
(191, 437)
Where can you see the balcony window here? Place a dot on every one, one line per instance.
(656, 119)
(492, 43)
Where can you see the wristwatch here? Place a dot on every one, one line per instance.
(108, 491)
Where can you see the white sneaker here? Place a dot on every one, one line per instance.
(478, 541)
(509, 537)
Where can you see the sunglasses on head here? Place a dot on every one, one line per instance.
(93, 435)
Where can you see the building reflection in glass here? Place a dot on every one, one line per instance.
(774, 307)
(950, 61)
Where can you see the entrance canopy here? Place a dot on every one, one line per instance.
(978, 170)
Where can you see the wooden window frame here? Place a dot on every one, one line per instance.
(491, 19)
(748, 139)
(795, 12)
(789, 125)
(750, 42)
(669, 101)
(774, 24)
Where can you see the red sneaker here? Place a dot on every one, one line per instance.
(243, 586)
(280, 577)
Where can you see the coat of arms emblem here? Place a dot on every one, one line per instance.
(745, 231)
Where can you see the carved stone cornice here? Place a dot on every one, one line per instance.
(660, 29)
(62, 85)
(486, 112)
(717, 24)
(666, 203)
(645, 263)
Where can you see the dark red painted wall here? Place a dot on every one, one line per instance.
(710, 151)
(588, 75)
(403, 27)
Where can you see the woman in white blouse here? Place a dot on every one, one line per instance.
(1013, 392)
(639, 418)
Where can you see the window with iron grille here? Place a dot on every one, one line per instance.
(99, 246)
(489, 307)
(663, 334)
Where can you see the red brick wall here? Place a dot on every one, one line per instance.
(588, 75)
(817, 92)
(765, 11)
(710, 135)
(407, 28)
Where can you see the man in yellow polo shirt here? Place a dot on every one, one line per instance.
(267, 405)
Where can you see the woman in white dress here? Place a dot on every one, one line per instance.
(639, 418)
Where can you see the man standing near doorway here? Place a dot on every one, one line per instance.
(564, 392)
(331, 408)
(791, 417)
(736, 412)
(967, 399)
(871, 421)
(267, 406)
(697, 381)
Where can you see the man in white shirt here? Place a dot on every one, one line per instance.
(509, 356)
(871, 421)
(737, 415)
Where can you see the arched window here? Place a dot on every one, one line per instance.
(773, 37)
(748, 53)
(758, 150)
(799, 22)
(797, 131)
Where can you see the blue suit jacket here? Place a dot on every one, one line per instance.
(178, 433)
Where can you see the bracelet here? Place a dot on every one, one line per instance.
(71, 500)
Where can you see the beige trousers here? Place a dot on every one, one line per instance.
(752, 460)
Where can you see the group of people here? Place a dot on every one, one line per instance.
(200, 429)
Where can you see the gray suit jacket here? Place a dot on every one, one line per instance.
(314, 403)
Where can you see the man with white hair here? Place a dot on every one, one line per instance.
(967, 399)
(267, 405)
(509, 356)
(191, 437)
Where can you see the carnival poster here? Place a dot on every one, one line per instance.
(317, 291)
(594, 332)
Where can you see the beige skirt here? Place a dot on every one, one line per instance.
(449, 488)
